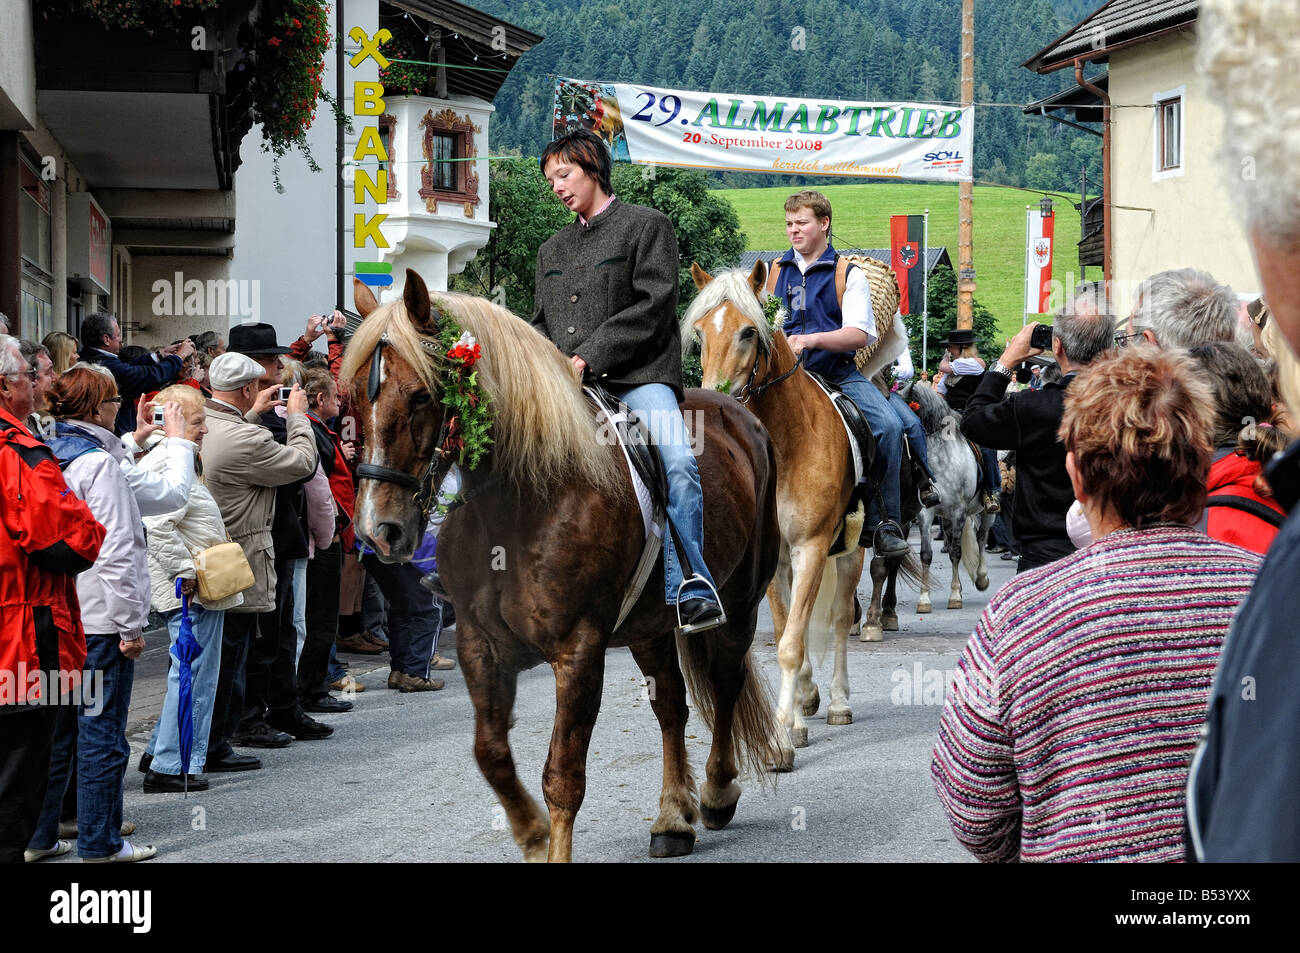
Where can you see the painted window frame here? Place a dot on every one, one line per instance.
(1159, 101)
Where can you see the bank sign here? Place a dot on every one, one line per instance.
(674, 127)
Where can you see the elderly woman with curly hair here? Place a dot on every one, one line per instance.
(1080, 694)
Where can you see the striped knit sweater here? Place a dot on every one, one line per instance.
(1078, 700)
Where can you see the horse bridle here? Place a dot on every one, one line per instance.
(425, 486)
(749, 391)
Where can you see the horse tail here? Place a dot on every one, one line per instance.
(818, 635)
(753, 719)
(970, 557)
(909, 568)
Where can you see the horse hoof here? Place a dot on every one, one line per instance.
(784, 761)
(799, 736)
(954, 603)
(981, 582)
(716, 818)
(923, 608)
(812, 703)
(671, 844)
(890, 622)
(872, 633)
(839, 716)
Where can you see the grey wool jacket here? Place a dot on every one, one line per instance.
(607, 291)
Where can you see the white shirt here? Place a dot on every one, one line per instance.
(966, 366)
(903, 368)
(855, 310)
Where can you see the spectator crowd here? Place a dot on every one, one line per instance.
(126, 476)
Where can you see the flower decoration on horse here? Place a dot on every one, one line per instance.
(467, 408)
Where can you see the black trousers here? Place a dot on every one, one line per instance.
(25, 740)
(238, 631)
(1033, 555)
(414, 616)
(270, 682)
(323, 573)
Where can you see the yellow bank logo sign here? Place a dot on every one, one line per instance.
(368, 100)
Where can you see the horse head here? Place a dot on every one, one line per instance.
(389, 362)
(735, 336)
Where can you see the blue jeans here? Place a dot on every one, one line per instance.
(888, 431)
(915, 432)
(656, 405)
(103, 751)
(414, 616)
(992, 475)
(165, 745)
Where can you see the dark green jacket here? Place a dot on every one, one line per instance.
(607, 292)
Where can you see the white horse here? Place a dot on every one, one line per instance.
(956, 470)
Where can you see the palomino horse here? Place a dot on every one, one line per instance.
(537, 558)
(957, 479)
(813, 594)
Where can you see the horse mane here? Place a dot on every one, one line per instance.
(932, 408)
(733, 286)
(543, 429)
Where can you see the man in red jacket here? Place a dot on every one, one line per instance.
(49, 536)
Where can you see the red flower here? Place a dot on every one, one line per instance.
(915, 405)
(273, 41)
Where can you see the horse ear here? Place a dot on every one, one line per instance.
(416, 298)
(700, 276)
(363, 297)
(758, 278)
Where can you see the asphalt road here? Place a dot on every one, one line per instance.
(398, 781)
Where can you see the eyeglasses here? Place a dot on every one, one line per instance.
(111, 400)
(31, 374)
(1121, 340)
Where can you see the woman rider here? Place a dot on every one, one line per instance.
(607, 296)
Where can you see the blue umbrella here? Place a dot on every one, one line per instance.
(185, 651)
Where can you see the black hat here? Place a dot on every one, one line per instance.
(958, 336)
(255, 339)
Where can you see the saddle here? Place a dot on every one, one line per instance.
(649, 481)
(862, 444)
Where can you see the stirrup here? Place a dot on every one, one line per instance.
(875, 533)
(708, 623)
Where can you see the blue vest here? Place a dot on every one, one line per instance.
(821, 311)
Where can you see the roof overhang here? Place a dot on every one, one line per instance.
(1115, 25)
(1085, 104)
(480, 35)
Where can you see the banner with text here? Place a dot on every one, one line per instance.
(697, 130)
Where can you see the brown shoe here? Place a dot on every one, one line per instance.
(991, 504)
(348, 684)
(355, 643)
(394, 679)
(414, 683)
(374, 640)
(440, 664)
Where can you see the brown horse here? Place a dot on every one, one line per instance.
(538, 557)
(812, 596)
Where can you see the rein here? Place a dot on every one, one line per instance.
(749, 390)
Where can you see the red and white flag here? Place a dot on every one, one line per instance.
(1038, 261)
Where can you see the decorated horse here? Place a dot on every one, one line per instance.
(543, 541)
(813, 595)
(956, 465)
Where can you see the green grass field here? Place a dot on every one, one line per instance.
(861, 220)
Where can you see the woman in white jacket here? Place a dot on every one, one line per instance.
(113, 594)
(174, 540)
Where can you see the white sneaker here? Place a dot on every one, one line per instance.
(60, 848)
(128, 854)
